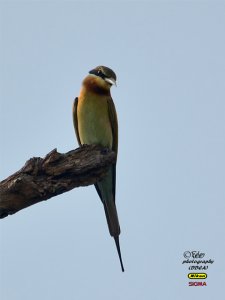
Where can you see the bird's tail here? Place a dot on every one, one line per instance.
(106, 192)
(112, 218)
(116, 238)
(113, 225)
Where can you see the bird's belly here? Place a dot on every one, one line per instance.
(94, 124)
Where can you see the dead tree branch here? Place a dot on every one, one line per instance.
(56, 173)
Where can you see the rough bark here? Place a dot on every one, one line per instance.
(43, 178)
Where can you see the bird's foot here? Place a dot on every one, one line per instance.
(105, 151)
(83, 145)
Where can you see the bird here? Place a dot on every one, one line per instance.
(95, 122)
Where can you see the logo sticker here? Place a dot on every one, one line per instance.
(197, 275)
(197, 283)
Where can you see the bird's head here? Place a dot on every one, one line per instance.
(105, 74)
(100, 79)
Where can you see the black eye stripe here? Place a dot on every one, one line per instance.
(98, 73)
(103, 72)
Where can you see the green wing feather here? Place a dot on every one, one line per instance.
(114, 125)
(75, 121)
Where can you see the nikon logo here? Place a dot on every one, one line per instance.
(197, 275)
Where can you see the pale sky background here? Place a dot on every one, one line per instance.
(169, 57)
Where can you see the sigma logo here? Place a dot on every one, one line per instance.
(197, 283)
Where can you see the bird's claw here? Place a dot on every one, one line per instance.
(105, 151)
(83, 145)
